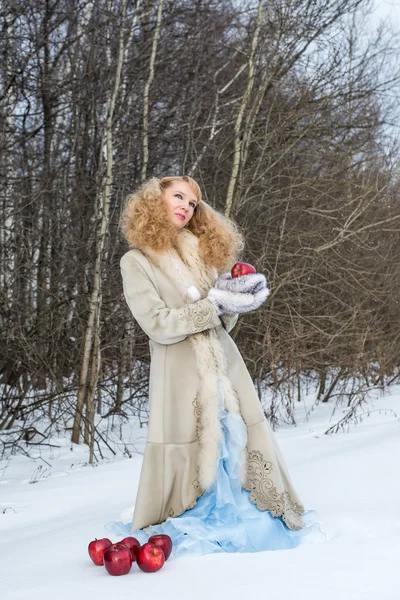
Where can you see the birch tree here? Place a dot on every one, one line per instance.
(148, 83)
(88, 379)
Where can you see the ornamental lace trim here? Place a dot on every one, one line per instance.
(197, 413)
(265, 496)
(198, 314)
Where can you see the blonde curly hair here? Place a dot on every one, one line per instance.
(145, 222)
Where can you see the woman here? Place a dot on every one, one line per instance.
(213, 477)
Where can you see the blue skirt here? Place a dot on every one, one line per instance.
(223, 518)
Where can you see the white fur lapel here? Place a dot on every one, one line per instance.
(185, 268)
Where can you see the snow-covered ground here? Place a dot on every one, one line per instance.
(49, 513)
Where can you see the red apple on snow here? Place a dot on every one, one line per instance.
(133, 544)
(118, 559)
(97, 548)
(163, 541)
(150, 557)
(242, 268)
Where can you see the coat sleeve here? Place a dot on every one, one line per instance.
(162, 324)
(229, 320)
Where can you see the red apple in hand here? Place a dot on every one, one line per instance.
(118, 559)
(242, 268)
(150, 558)
(163, 541)
(133, 544)
(97, 548)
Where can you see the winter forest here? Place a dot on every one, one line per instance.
(286, 112)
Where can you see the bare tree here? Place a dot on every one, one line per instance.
(282, 111)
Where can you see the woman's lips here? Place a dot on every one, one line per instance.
(180, 216)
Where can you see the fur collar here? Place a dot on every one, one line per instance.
(193, 279)
(185, 267)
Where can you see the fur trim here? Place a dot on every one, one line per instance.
(189, 273)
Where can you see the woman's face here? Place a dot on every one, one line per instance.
(180, 199)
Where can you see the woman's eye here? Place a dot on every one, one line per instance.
(180, 197)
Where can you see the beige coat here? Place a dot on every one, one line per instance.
(169, 479)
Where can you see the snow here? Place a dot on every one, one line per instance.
(53, 505)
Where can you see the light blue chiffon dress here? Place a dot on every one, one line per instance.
(223, 518)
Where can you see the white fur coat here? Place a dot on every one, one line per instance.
(192, 357)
